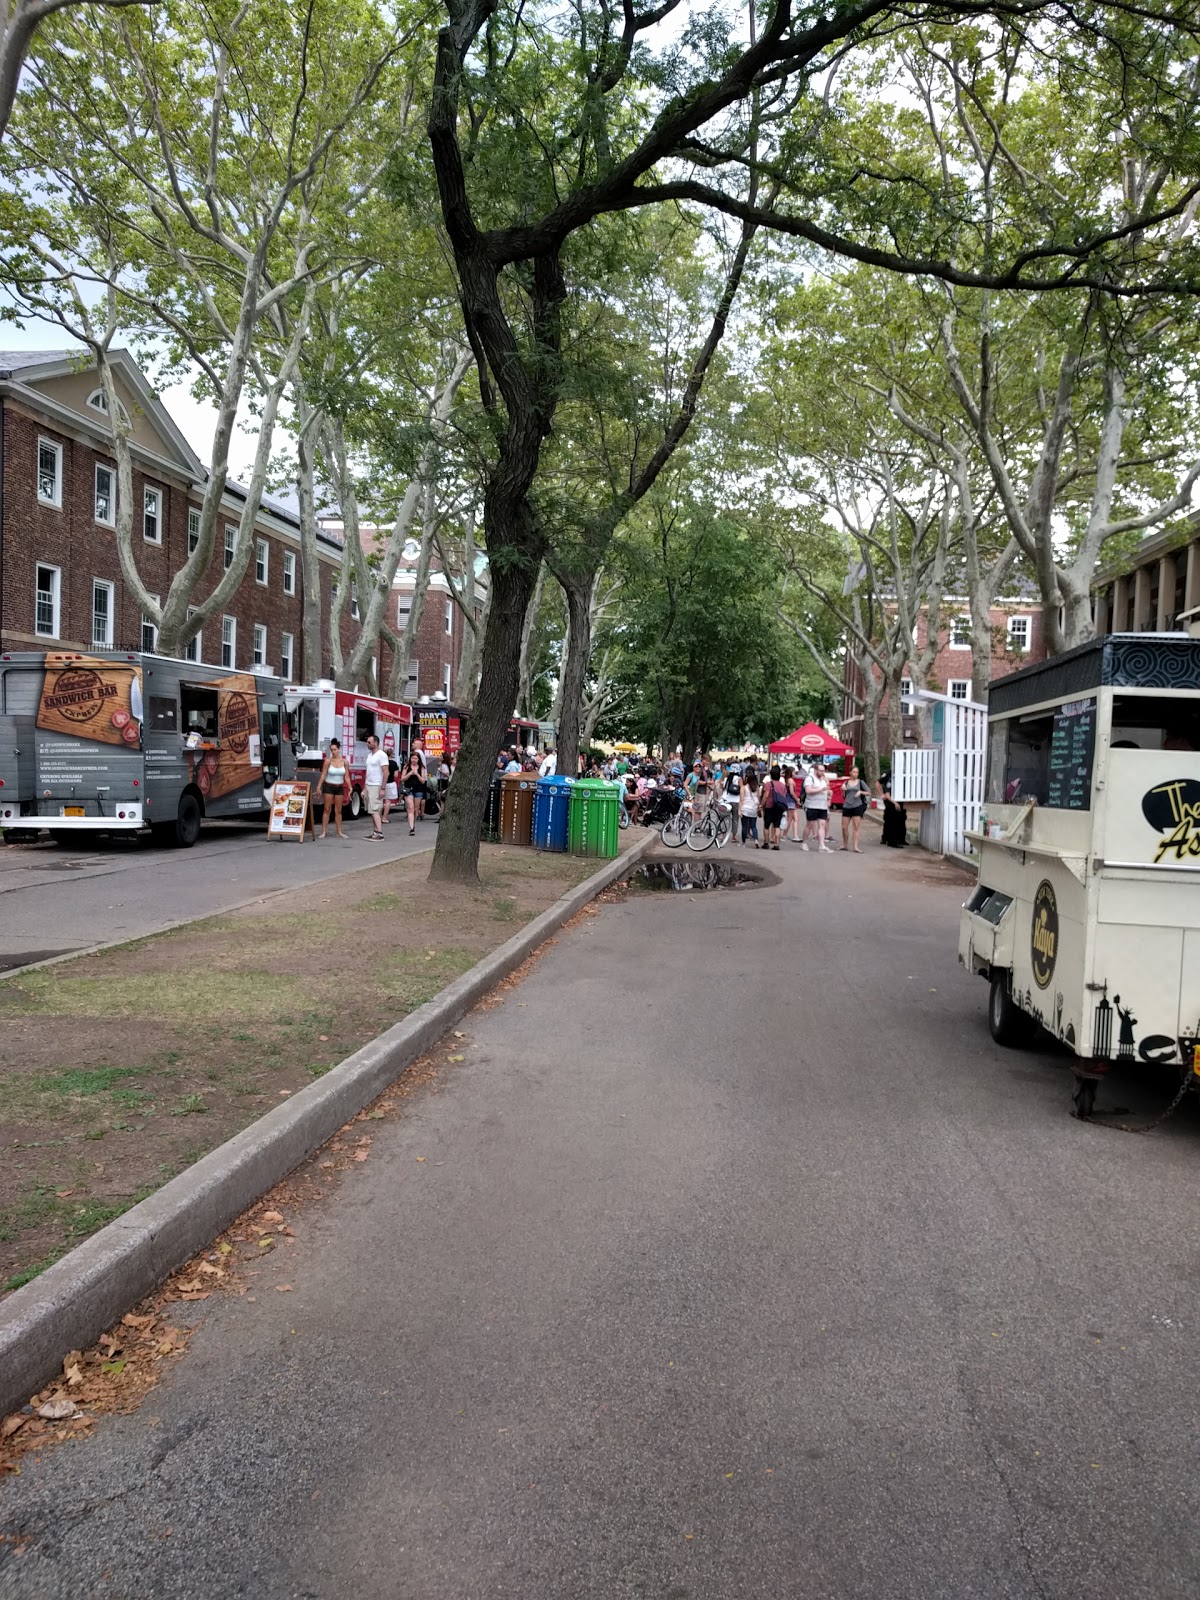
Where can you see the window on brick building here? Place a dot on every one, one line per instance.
(193, 650)
(193, 528)
(102, 614)
(262, 557)
(446, 680)
(149, 639)
(47, 593)
(289, 572)
(106, 496)
(258, 645)
(413, 684)
(228, 641)
(959, 688)
(906, 686)
(1019, 629)
(960, 633)
(353, 600)
(152, 515)
(49, 472)
(230, 542)
(98, 401)
(404, 607)
(287, 645)
(449, 616)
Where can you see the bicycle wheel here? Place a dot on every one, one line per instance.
(724, 829)
(702, 833)
(622, 818)
(674, 829)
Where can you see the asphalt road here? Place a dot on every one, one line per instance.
(57, 898)
(733, 1261)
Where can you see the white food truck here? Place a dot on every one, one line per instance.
(1086, 918)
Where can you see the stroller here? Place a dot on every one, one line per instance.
(659, 804)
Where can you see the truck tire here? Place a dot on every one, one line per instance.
(354, 807)
(1007, 1023)
(187, 821)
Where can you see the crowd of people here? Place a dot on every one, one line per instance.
(415, 781)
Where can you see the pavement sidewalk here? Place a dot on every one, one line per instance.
(733, 1260)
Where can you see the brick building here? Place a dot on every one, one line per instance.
(1149, 590)
(1017, 641)
(60, 577)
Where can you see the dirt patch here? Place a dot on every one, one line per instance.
(914, 865)
(119, 1069)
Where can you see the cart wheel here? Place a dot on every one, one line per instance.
(1007, 1023)
(1084, 1098)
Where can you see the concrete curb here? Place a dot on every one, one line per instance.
(70, 1304)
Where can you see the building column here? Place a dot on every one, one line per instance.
(1166, 594)
(1141, 600)
(1120, 606)
(1191, 592)
(1102, 614)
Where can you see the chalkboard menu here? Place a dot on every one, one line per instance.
(1072, 744)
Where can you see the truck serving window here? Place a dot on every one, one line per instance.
(163, 717)
(1154, 722)
(364, 724)
(1027, 760)
(198, 708)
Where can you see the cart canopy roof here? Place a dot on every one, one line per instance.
(1118, 661)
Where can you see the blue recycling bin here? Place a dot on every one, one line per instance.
(551, 808)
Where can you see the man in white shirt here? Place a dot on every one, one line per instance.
(376, 777)
(549, 764)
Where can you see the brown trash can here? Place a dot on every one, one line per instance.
(517, 790)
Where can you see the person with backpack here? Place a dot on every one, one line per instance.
(816, 807)
(774, 808)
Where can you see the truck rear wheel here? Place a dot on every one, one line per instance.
(187, 822)
(355, 804)
(1007, 1023)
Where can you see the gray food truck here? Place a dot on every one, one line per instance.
(118, 743)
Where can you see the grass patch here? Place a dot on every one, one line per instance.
(179, 996)
(82, 1081)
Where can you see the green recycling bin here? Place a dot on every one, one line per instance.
(593, 825)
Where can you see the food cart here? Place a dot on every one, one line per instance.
(1086, 918)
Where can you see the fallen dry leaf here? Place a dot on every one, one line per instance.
(283, 1288)
(361, 1155)
(131, 1321)
(272, 1216)
(73, 1374)
(10, 1425)
(420, 1158)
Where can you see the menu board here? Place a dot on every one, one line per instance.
(289, 811)
(1072, 744)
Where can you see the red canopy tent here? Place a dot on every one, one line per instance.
(810, 741)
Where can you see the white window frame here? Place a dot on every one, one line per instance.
(960, 633)
(258, 644)
(55, 594)
(404, 607)
(152, 495)
(54, 498)
(289, 572)
(98, 401)
(193, 650)
(354, 612)
(287, 651)
(962, 683)
(412, 687)
(446, 677)
(906, 686)
(193, 534)
(1028, 621)
(108, 589)
(110, 521)
(262, 561)
(230, 543)
(229, 641)
(449, 616)
(146, 623)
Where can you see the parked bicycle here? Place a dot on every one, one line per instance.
(713, 826)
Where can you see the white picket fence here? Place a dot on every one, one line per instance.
(947, 776)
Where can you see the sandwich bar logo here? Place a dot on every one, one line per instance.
(1173, 810)
(1043, 940)
(78, 694)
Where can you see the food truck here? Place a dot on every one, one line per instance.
(116, 743)
(1086, 918)
(320, 711)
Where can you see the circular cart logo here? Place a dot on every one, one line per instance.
(78, 694)
(1043, 941)
(812, 741)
